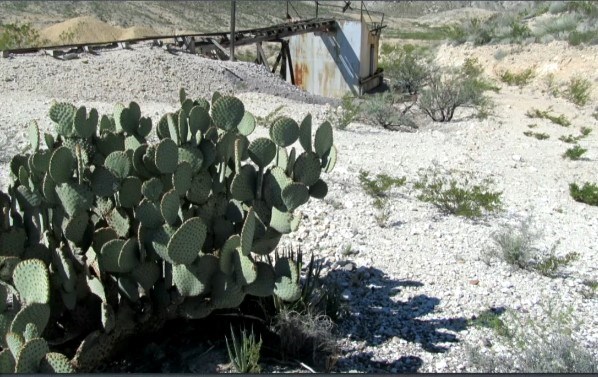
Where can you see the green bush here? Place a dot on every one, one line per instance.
(537, 346)
(458, 196)
(537, 135)
(379, 189)
(578, 91)
(382, 109)
(561, 120)
(516, 245)
(587, 194)
(519, 79)
(407, 72)
(449, 90)
(574, 153)
(20, 36)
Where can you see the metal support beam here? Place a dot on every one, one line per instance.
(233, 6)
(261, 55)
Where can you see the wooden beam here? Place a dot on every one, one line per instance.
(222, 49)
(261, 55)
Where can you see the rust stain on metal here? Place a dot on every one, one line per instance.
(301, 74)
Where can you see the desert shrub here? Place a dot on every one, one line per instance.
(445, 93)
(407, 71)
(578, 91)
(379, 189)
(537, 135)
(574, 153)
(535, 346)
(576, 38)
(519, 79)
(490, 319)
(20, 36)
(348, 111)
(517, 246)
(464, 87)
(584, 132)
(389, 110)
(561, 120)
(587, 194)
(457, 195)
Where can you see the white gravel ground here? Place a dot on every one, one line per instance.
(412, 285)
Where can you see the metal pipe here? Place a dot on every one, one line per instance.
(233, 6)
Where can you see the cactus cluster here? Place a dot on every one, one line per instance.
(100, 223)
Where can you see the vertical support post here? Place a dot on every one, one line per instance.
(317, 5)
(361, 13)
(233, 6)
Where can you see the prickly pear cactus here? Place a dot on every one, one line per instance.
(99, 223)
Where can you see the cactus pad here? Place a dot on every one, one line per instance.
(183, 125)
(263, 285)
(305, 133)
(307, 168)
(118, 219)
(31, 279)
(318, 190)
(170, 206)
(146, 274)
(15, 343)
(284, 131)
(182, 178)
(109, 255)
(128, 288)
(62, 164)
(186, 242)
(33, 135)
(262, 151)
(199, 120)
(201, 185)
(36, 314)
(248, 232)
(55, 362)
(103, 182)
(30, 332)
(194, 279)
(119, 164)
(283, 222)
(225, 292)
(196, 308)
(7, 362)
(167, 157)
(323, 139)
(191, 155)
(244, 184)
(227, 112)
(329, 160)
(295, 195)
(128, 257)
(227, 254)
(148, 214)
(75, 227)
(247, 124)
(62, 114)
(30, 356)
(245, 269)
(129, 195)
(152, 189)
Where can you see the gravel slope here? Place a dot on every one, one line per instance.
(411, 286)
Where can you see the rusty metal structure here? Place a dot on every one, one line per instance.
(327, 56)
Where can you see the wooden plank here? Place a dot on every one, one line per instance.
(222, 49)
(262, 55)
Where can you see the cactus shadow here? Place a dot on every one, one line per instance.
(373, 316)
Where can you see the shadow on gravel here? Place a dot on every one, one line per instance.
(374, 318)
